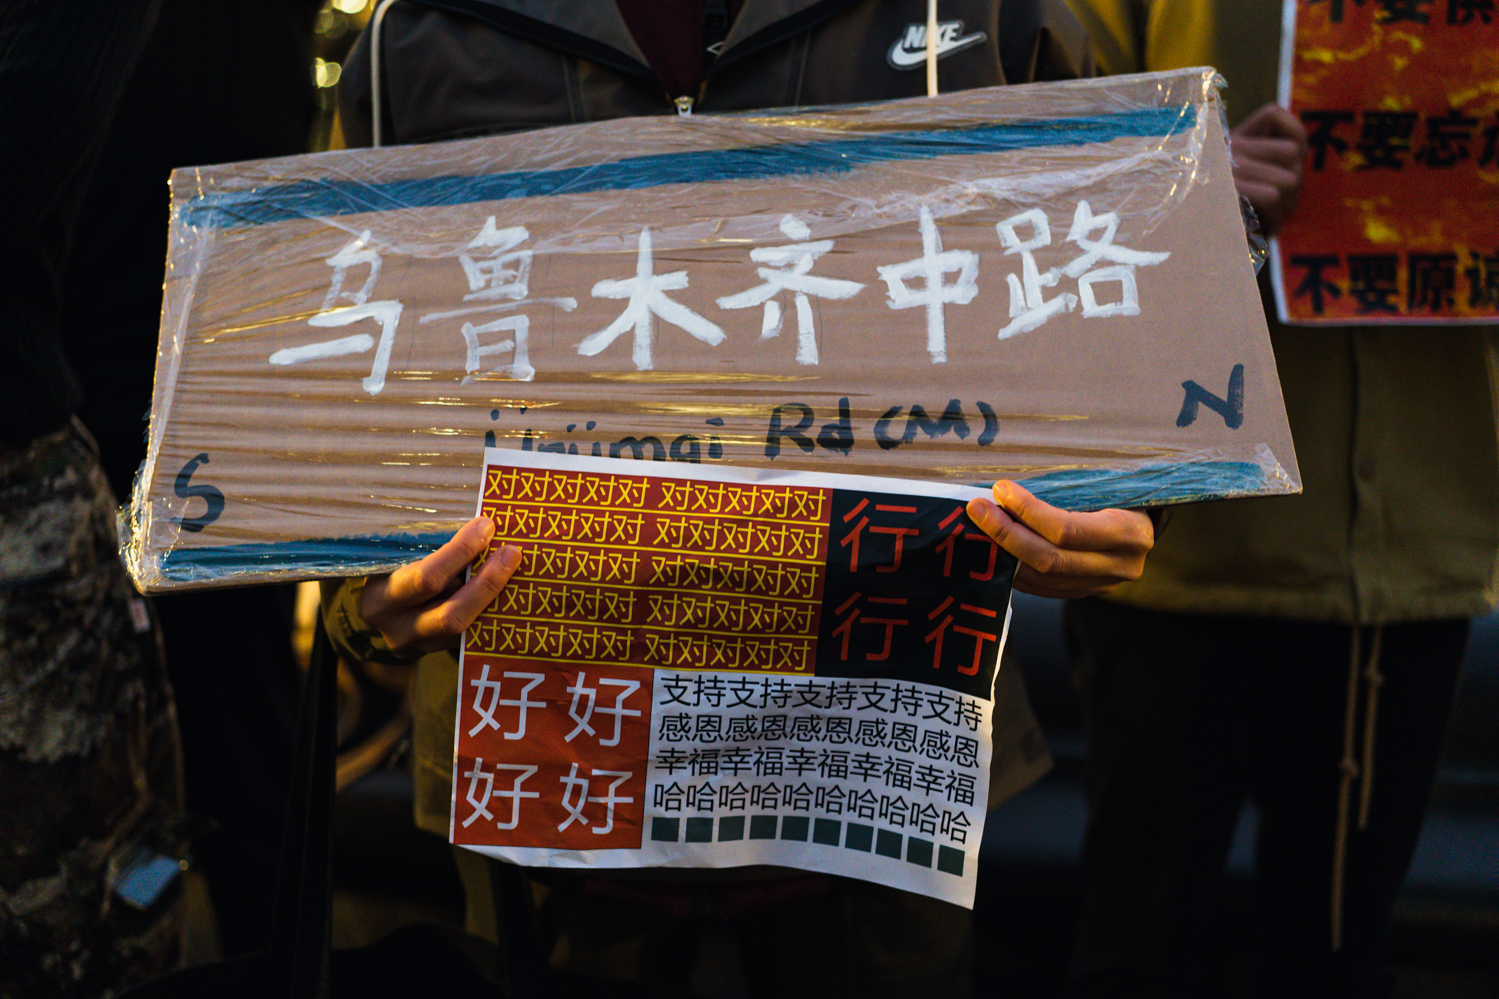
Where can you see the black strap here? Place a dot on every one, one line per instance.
(301, 938)
(523, 961)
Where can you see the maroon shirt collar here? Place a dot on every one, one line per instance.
(670, 35)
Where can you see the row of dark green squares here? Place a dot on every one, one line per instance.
(827, 832)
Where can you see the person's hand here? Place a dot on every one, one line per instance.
(426, 605)
(1061, 553)
(1269, 148)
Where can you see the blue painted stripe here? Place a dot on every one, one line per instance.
(1084, 489)
(1150, 485)
(307, 198)
(352, 556)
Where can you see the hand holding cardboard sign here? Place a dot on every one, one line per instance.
(1063, 553)
(1269, 148)
(426, 605)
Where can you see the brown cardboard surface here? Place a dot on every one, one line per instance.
(341, 464)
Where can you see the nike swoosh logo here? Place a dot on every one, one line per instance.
(909, 50)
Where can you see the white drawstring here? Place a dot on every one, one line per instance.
(931, 48)
(375, 21)
(1349, 769)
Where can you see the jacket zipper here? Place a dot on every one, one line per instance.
(604, 55)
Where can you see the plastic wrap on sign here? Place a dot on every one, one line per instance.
(1048, 283)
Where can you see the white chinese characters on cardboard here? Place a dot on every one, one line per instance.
(1048, 283)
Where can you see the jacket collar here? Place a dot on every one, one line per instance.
(600, 23)
(598, 20)
(764, 22)
(766, 15)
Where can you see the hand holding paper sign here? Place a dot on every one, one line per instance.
(423, 606)
(1269, 148)
(1064, 553)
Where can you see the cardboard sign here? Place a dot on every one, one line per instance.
(1398, 221)
(1048, 283)
(714, 667)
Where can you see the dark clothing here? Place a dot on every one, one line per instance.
(508, 66)
(61, 67)
(1187, 716)
(89, 768)
(235, 705)
(827, 938)
(217, 82)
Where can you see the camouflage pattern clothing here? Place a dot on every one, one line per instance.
(89, 764)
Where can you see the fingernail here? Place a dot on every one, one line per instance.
(981, 512)
(510, 556)
(488, 529)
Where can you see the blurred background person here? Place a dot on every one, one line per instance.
(1279, 648)
(90, 781)
(215, 83)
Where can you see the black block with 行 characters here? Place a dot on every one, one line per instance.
(914, 591)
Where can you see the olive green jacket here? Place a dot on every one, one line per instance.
(1394, 426)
